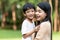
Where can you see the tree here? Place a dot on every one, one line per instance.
(56, 15)
(4, 12)
(14, 16)
(50, 1)
(5, 5)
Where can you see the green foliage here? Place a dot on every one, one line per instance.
(19, 13)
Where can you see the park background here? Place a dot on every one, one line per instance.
(11, 17)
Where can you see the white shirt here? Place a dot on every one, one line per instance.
(27, 27)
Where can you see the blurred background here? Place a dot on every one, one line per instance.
(11, 17)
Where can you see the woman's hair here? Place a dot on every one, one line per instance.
(45, 6)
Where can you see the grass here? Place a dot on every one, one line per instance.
(10, 35)
(56, 36)
(16, 35)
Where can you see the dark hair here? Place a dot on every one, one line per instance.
(47, 9)
(28, 6)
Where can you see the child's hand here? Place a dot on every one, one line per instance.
(37, 28)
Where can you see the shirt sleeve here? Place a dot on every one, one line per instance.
(24, 28)
(42, 31)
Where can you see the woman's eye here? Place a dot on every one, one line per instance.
(39, 11)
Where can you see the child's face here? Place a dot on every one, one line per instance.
(30, 13)
(40, 14)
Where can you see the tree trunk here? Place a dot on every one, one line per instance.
(3, 20)
(14, 17)
(59, 23)
(50, 1)
(3, 14)
(56, 14)
(59, 14)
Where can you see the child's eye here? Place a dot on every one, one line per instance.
(32, 11)
(28, 11)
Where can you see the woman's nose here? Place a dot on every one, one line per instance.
(37, 13)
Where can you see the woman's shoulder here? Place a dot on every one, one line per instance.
(46, 23)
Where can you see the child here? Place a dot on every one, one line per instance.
(28, 24)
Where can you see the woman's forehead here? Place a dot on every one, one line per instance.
(38, 8)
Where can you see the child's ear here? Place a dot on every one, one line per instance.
(24, 14)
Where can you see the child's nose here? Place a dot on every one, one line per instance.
(31, 12)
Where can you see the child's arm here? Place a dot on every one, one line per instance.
(31, 32)
(33, 36)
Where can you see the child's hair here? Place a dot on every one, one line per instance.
(47, 9)
(28, 6)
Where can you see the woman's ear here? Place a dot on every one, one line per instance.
(45, 14)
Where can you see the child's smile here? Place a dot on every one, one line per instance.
(30, 13)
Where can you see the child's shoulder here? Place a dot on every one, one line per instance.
(25, 21)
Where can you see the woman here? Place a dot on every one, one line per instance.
(43, 12)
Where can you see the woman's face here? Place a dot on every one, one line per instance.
(40, 14)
